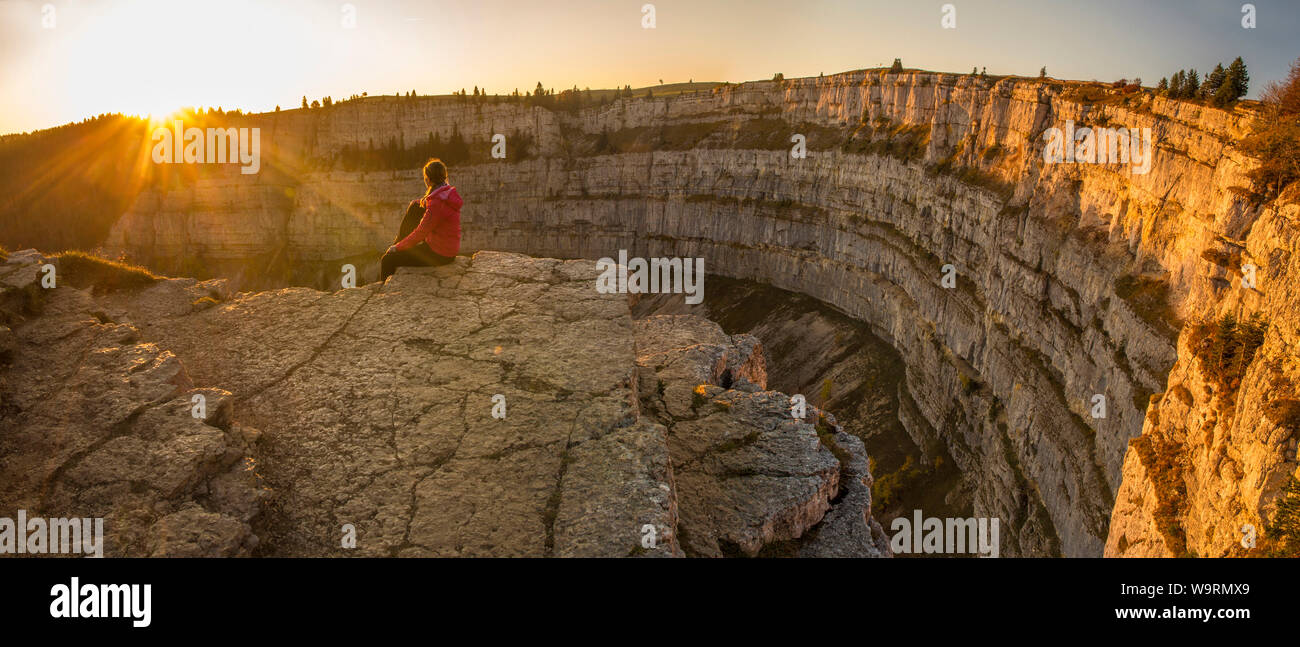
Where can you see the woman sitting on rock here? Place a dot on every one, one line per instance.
(436, 240)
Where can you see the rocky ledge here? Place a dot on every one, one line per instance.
(499, 406)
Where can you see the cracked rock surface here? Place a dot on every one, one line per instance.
(750, 476)
(94, 423)
(379, 416)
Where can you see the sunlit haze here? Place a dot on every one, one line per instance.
(153, 56)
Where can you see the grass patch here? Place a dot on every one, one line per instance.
(83, 270)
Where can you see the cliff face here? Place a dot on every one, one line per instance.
(1215, 453)
(1072, 280)
(500, 406)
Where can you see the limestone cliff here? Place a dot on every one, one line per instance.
(500, 406)
(1073, 280)
(1216, 453)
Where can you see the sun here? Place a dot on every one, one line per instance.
(161, 116)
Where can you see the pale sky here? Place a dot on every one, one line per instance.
(153, 56)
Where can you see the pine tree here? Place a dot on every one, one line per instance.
(1222, 348)
(1191, 85)
(1042, 72)
(1176, 85)
(1236, 82)
(1163, 85)
(1213, 81)
(304, 102)
(897, 66)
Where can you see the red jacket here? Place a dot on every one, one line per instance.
(440, 226)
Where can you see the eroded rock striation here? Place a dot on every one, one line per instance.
(493, 407)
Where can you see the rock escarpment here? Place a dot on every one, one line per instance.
(1072, 280)
(493, 407)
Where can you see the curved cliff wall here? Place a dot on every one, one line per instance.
(1072, 280)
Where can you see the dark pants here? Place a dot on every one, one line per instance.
(418, 256)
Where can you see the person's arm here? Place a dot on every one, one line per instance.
(426, 225)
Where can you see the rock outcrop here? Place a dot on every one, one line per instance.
(839, 365)
(749, 474)
(97, 422)
(493, 407)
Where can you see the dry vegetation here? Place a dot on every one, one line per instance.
(1276, 139)
(1164, 463)
(1225, 349)
(83, 270)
